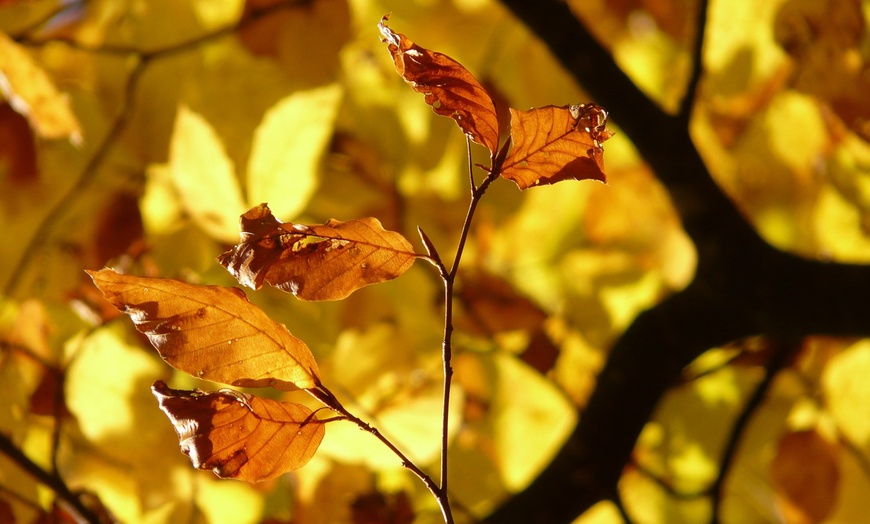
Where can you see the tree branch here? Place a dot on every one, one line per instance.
(55, 483)
(742, 287)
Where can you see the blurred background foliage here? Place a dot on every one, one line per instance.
(133, 134)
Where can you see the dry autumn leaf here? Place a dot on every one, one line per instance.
(449, 88)
(211, 332)
(241, 436)
(319, 262)
(551, 144)
(806, 474)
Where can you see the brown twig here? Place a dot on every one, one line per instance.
(783, 352)
(52, 481)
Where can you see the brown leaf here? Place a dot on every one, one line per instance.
(48, 397)
(825, 39)
(806, 474)
(320, 262)
(551, 144)
(542, 353)
(211, 332)
(449, 88)
(492, 305)
(241, 436)
(18, 156)
(380, 508)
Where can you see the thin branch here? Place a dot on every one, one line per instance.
(685, 111)
(783, 352)
(53, 217)
(470, 164)
(36, 24)
(324, 395)
(251, 17)
(53, 481)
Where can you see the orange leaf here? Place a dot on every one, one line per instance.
(551, 144)
(211, 332)
(806, 474)
(320, 262)
(241, 436)
(449, 88)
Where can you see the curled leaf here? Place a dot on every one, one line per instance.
(211, 332)
(241, 436)
(319, 262)
(551, 144)
(448, 87)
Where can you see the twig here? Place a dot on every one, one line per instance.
(53, 481)
(324, 395)
(689, 96)
(783, 352)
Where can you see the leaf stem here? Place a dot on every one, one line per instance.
(324, 395)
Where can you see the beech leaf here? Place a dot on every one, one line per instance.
(211, 332)
(806, 474)
(448, 87)
(319, 262)
(551, 144)
(238, 435)
(33, 94)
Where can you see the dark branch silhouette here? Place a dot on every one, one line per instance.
(742, 286)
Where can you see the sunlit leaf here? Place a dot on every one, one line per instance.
(211, 332)
(204, 175)
(449, 88)
(32, 93)
(806, 473)
(124, 440)
(847, 391)
(288, 146)
(551, 144)
(238, 435)
(319, 262)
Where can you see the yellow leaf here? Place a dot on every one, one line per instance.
(204, 176)
(847, 391)
(126, 438)
(32, 93)
(532, 420)
(288, 146)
